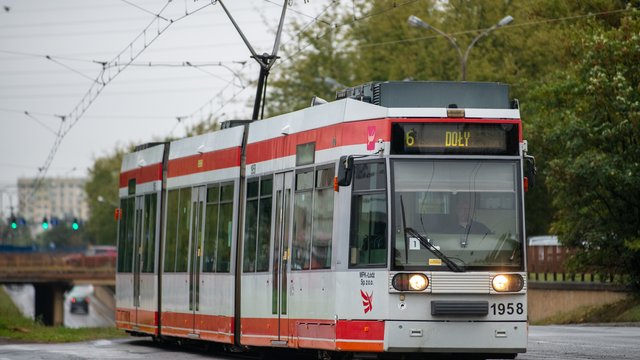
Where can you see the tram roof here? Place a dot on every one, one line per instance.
(428, 94)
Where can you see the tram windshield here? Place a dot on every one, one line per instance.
(460, 211)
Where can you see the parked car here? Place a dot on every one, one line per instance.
(94, 256)
(78, 299)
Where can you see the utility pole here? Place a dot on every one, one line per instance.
(265, 60)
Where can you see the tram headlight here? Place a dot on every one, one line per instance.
(507, 283)
(410, 282)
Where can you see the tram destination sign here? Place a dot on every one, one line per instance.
(454, 138)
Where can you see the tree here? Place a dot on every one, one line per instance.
(61, 236)
(102, 194)
(314, 64)
(591, 131)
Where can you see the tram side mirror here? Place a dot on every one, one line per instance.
(530, 170)
(345, 171)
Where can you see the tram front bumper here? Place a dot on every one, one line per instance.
(455, 336)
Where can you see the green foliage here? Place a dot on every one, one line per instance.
(573, 65)
(590, 137)
(319, 67)
(62, 235)
(102, 196)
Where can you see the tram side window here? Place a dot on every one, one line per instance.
(211, 228)
(250, 226)
(171, 242)
(182, 241)
(322, 219)
(368, 235)
(125, 242)
(302, 221)
(149, 233)
(264, 223)
(257, 224)
(225, 225)
(218, 229)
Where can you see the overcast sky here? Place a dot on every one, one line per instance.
(52, 52)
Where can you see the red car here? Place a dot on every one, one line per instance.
(95, 256)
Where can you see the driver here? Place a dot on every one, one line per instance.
(464, 212)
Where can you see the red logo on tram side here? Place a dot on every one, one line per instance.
(367, 301)
(371, 138)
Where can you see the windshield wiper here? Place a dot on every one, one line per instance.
(429, 246)
(426, 243)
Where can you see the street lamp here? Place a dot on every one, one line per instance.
(102, 200)
(417, 22)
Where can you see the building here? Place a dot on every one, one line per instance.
(59, 198)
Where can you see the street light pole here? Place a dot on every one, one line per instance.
(417, 22)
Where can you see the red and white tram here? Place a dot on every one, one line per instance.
(389, 220)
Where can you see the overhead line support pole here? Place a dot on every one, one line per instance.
(265, 60)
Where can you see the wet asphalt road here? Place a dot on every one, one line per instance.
(545, 342)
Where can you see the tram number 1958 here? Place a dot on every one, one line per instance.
(508, 308)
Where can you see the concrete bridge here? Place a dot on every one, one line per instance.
(52, 274)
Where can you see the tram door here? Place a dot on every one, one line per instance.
(282, 225)
(198, 199)
(137, 253)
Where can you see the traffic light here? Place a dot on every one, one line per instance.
(14, 222)
(75, 225)
(45, 223)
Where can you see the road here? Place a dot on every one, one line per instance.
(99, 315)
(545, 342)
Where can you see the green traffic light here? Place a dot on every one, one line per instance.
(14, 225)
(45, 225)
(75, 226)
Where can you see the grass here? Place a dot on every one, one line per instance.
(623, 311)
(15, 327)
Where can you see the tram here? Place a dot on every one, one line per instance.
(390, 220)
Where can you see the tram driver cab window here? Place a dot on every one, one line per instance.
(368, 234)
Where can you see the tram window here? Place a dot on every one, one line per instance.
(211, 228)
(370, 176)
(172, 230)
(130, 230)
(264, 224)
(122, 225)
(125, 241)
(250, 226)
(149, 234)
(322, 219)
(303, 202)
(305, 153)
(368, 235)
(257, 224)
(213, 194)
(304, 181)
(225, 224)
(182, 244)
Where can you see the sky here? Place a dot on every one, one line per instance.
(79, 78)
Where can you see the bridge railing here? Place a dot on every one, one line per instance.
(17, 267)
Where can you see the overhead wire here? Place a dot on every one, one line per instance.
(76, 114)
(121, 60)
